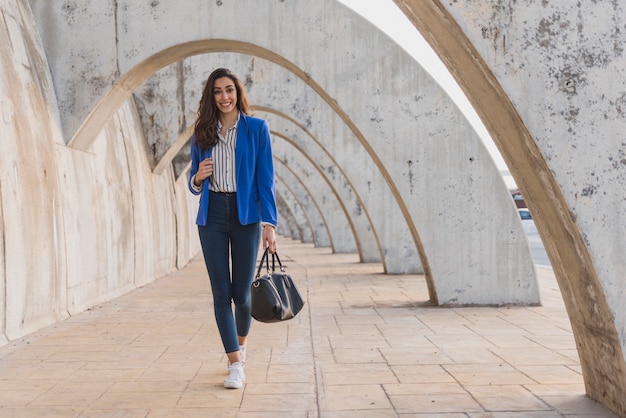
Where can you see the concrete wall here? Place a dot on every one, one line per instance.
(548, 80)
(79, 227)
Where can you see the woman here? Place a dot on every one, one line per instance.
(233, 172)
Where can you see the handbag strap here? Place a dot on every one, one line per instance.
(265, 258)
(267, 264)
(280, 265)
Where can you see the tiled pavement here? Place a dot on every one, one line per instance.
(366, 345)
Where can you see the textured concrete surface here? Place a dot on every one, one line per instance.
(365, 345)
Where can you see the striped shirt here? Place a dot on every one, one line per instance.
(223, 178)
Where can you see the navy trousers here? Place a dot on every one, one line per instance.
(227, 245)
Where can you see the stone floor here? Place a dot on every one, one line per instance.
(365, 345)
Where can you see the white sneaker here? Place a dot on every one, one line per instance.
(236, 377)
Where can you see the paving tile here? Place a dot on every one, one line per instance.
(418, 373)
(137, 400)
(507, 398)
(214, 412)
(278, 403)
(72, 394)
(354, 374)
(354, 398)
(115, 413)
(360, 413)
(434, 403)
(487, 374)
(556, 374)
(530, 356)
(358, 355)
(43, 412)
(11, 398)
(415, 355)
(524, 414)
(435, 388)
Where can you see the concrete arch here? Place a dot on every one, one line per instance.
(289, 228)
(334, 192)
(297, 221)
(368, 244)
(545, 97)
(315, 216)
(336, 219)
(346, 163)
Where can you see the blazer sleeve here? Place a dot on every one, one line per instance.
(195, 162)
(266, 185)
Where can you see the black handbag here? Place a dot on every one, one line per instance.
(274, 296)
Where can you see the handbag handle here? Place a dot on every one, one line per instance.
(265, 258)
(280, 265)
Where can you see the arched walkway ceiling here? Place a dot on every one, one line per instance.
(547, 80)
(129, 82)
(384, 103)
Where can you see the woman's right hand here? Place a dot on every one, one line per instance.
(205, 169)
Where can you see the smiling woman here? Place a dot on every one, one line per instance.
(232, 171)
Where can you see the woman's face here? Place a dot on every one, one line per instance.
(225, 95)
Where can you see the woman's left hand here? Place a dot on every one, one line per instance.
(269, 238)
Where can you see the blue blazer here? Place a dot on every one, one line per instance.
(254, 170)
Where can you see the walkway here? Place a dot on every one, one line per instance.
(366, 345)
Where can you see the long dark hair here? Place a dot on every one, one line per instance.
(206, 124)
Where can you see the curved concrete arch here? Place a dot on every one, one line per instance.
(326, 197)
(367, 241)
(173, 151)
(303, 221)
(298, 220)
(332, 188)
(315, 216)
(288, 228)
(496, 58)
(315, 222)
(472, 260)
